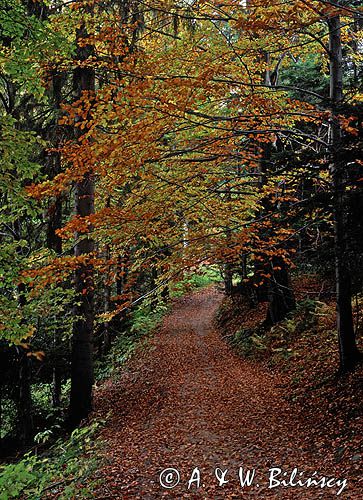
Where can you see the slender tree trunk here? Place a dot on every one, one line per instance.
(54, 242)
(228, 269)
(349, 354)
(228, 279)
(82, 347)
(120, 321)
(106, 341)
(55, 212)
(24, 403)
(24, 399)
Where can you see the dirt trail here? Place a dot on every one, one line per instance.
(190, 402)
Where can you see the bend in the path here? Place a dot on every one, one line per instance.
(188, 402)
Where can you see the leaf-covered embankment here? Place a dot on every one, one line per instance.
(330, 405)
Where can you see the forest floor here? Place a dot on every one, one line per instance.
(188, 401)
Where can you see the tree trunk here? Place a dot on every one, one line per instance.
(54, 242)
(81, 359)
(278, 291)
(106, 341)
(349, 354)
(228, 279)
(120, 321)
(281, 298)
(82, 347)
(24, 402)
(25, 405)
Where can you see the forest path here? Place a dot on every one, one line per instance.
(189, 402)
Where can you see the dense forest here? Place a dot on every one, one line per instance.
(152, 147)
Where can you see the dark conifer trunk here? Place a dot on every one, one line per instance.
(24, 400)
(25, 405)
(349, 354)
(82, 347)
(55, 211)
(25, 424)
(54, 242)
(278, 291)
(281, 298)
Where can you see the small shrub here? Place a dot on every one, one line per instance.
(64, 470)
(248, 342)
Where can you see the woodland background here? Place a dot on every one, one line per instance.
(148, 147)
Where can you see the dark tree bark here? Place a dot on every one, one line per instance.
(54, 242)
(25, 423)
(278, 291)
(82, 339)
(120, 321)
(349, 354)
(25, 405)
(228, 279)
(281, 299)
(55, 211)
